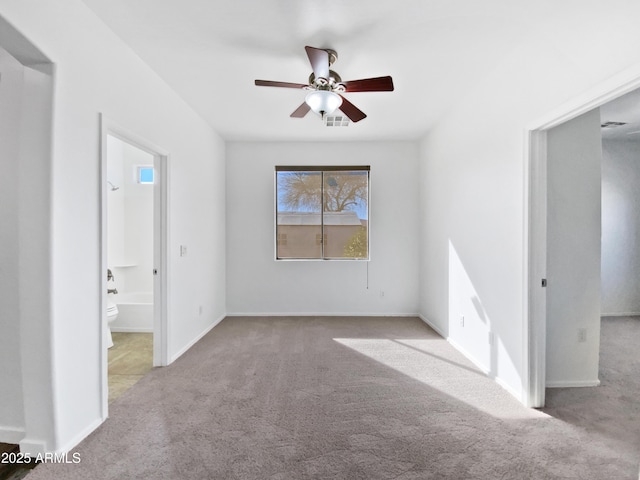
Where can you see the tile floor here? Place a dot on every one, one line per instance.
(130, 359)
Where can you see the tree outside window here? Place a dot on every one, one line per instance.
(322, 212)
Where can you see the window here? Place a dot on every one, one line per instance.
(145, 174)
(322, 213)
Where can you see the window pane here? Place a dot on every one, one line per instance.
(145, 174)
(346, 214)
(299, 212)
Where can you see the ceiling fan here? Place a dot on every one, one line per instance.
(326, 87)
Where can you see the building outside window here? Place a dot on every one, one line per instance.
(322, 213)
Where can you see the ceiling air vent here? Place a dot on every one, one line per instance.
(336, 121)
(612, 124)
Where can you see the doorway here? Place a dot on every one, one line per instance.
(133, 259)
(536, 228)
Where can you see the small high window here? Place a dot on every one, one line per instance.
(322, 212)
(145, 174)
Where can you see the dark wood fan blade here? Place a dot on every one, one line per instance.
(319, 60)
(378, 84)
(301, 111)
(351, 111)
(269, 83)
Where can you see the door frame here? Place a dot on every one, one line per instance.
(160, 250)
(535, 225)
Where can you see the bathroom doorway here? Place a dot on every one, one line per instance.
(133, 259)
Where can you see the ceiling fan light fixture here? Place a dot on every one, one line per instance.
(323, 102)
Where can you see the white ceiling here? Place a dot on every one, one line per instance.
(625, 109)
(211, 51)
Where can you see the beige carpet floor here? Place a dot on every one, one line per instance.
(611, 411)
(335, 398)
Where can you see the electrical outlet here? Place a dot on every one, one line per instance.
(582, 335)
(183, 250)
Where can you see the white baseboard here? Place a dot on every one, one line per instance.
(623, 314)
(132, 330)
(180, 352)
(319, 314)
(455, 345)
(80, 436)
(11, 434)
(520, 396)
(433, 326)
(573, 383)
(32, 446)
(471, 358)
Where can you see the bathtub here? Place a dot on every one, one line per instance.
(135, 312)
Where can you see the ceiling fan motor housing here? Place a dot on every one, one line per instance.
(333, 83)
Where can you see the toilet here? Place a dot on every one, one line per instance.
(112, 314)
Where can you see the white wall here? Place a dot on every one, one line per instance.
(139, 208)
(573, 251)
(130, 219)
(115, 205)
(620, 227)
(258, 284)
(469, 263)
(473, 181)
(96, 72)
(11, 399)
